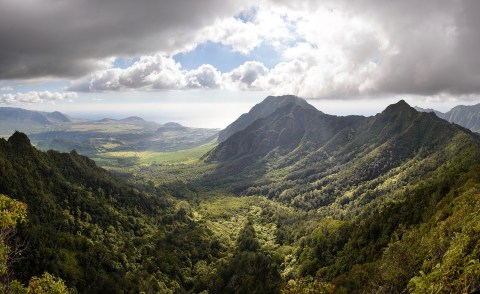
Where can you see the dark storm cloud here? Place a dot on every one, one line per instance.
(422, 47)
(67, 38)
(434, 43)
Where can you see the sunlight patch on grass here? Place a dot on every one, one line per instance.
(187, 156)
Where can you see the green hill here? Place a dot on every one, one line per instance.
(96, 232)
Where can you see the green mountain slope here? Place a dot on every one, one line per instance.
(96, 232)
(320, 159)
(370, 181)
(381, 204)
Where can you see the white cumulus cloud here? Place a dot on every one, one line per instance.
(36, 97)
(206, 77)
(246, 76)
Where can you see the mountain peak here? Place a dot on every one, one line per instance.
(402, 103)
(173, 125)
(133, 119)
(400, 106)
(57, 117)
(263, 109)
(279, 101)
(19, 139)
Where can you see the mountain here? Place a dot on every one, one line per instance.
(96, 138)
(283, 130)
(261, 110)
(381, 204)
(466, 116)
(133, 119)
(22, 116)
(171, 126)
(305, 145)
(377, 184)
(127, 120)
(97, 232)
(438, 113)
(58, 117)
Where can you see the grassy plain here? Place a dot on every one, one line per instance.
(146, 158)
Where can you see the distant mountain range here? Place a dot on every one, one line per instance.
(97, 138)
(467, 116)
(23, 116)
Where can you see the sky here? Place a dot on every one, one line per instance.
(203, 63)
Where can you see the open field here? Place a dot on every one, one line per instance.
(127, 158)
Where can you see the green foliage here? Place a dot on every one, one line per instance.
(12, 212)
(96, 232)
(368, 184)
(308, 285)
(250, 270)
(387, 204)
(47, 284)
(148, 157)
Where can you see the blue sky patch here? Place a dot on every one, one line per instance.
(122, 62)
(224, 58)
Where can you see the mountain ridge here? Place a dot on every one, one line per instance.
(371, 147)
(380, 182)
(20, 115)
(386, 203)
(467, 116)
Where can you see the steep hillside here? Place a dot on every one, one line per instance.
(381, 204)
(371, 181)
(261, 110)
(96, 232)
(319, 158)
(291, 127)
(467, 116)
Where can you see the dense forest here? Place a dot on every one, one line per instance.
(294, 201)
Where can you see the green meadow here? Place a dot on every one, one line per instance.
(144, 158)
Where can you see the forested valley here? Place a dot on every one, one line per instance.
(290, 200)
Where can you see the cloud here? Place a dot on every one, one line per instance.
(154, 72)
(7, 88)
(424, 48)
(241, 36)
(206, 77)
(246, 76)
(148, 73)
(157, 72)
(36, 97)
(342, 50)
(328, 49)
(250, 29)
(69, 38)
